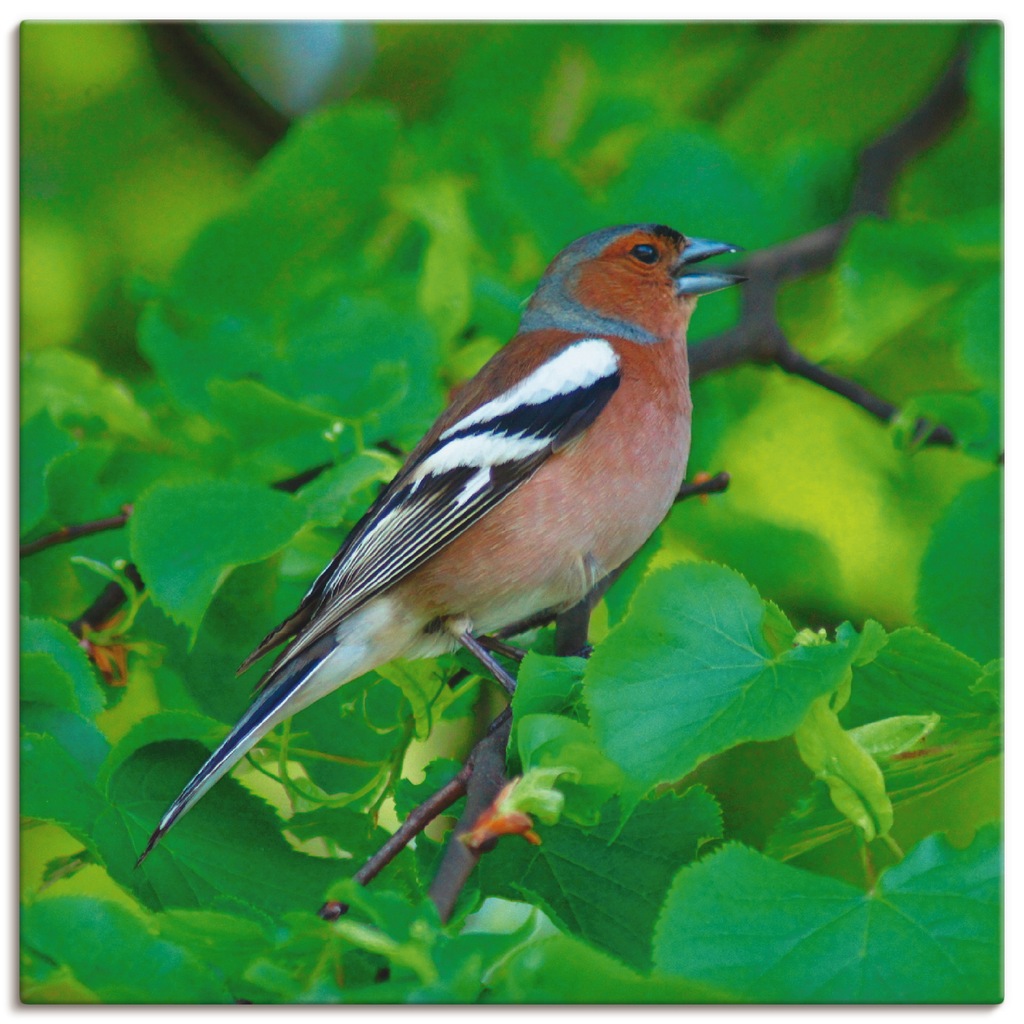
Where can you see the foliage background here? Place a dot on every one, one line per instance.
(208, 309)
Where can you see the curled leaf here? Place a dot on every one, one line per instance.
(512, 810)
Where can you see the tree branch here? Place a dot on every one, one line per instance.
(476, 776)
(486, 781)
(758, 337)
(793, 362)
(110, 599)
(69, 533)
(419, 818)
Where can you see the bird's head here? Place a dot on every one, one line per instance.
(640, 275)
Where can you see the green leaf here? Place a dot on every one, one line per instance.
(917, 267)
(546, 684)
(690, 673)
(256, 414)
(56, 786)
(187, 537)
(854, 779)
(363, 728)
(838, 80)
(350, 831)
(928, 933)
(990, 683)
(95, 939)
(894, 735)
(959, 596)
(979, 323)
(164, 725)
(405, 934)
(317, 192)
(437, 774)
(54, 639)
(43, 680)
(226, 854)
(72, 388)
(915, 686)
(563, 969)
(423, 686)
(331, 498)
(606, 884)
(914, 674)
(925, 785)
(555, 741)
(721, 188)
(444, 292)
(42, 444)
(225, 943)
(283, 290)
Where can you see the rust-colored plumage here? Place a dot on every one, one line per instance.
(545, 473)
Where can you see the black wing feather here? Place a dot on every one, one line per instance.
(414, 518)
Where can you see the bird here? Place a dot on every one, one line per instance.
(547, 471)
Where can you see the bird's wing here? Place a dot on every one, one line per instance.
(450, 483)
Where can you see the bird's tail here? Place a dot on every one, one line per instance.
(293, 684)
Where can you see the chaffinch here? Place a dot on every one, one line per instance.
(547, 471)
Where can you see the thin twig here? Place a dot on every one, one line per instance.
(418, 819)
(67, 534)
(793, 362)
(421, 816)
(712, 485)
(758, 336)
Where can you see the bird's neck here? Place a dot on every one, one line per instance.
(552, 308)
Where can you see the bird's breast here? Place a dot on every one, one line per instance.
(584, 512)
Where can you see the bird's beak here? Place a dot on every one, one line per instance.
(702, 283)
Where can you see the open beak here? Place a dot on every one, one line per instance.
(704, 282)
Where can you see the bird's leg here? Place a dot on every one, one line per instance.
(474, 645)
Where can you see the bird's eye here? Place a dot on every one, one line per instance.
(645, 253)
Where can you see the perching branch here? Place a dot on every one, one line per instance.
(479, 766)
(419, 818)
(485, 782)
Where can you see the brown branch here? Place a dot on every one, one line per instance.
(110, 599)
(69, 533)
(758, 337)
(885, 158)
(793, 362)
(418, 819)
(709, 485)
(480, 759)
(485, 783)
(293, 483)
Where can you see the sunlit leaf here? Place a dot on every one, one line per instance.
(186, 538)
